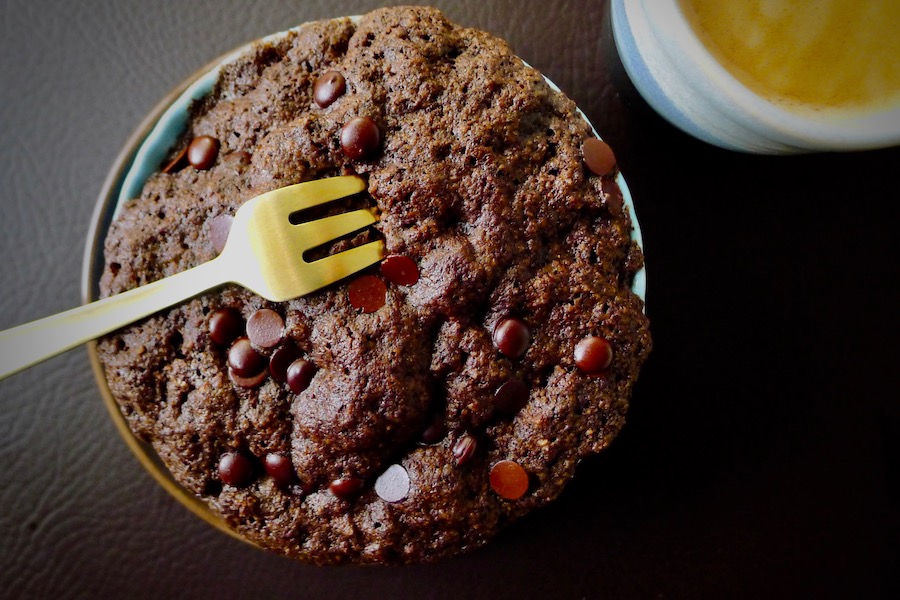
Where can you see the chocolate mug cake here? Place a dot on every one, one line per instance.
(410, 412)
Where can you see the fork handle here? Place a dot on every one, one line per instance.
(26, 345)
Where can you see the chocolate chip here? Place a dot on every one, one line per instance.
(225, 325)
(393, 484)
(265, 328)
(219, 228)
(346, 488)
(593, 355)
(240, 157)
(367, 293)
(300, 374)
(246, 382)
(400, 270)
(328, 88)
(598, 156)
(177, 162)
(511, 337)
(244, 360)
(464, 449)
(280, 361)
(202, 152)
(280, 468)
(435, 432)
(360, 138)
(235, 469)
(511, 396)
(509, 480)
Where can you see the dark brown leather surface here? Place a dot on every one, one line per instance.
(762, 455)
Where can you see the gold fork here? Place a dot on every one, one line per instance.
(264, 253)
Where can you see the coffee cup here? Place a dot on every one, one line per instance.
(767, 76)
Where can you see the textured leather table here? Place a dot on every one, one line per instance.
(762, 454)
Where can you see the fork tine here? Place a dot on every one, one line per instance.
(337, 266)
(301, 196)
(318, 232)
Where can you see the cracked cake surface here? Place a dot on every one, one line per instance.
(409, 413)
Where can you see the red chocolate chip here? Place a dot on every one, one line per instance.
(328, 88)
(202, 152)
(400, 270)
(219, 228)
(265, 328)
(598, 156)
(246, 382)
(464, 449)
(281, 360)
(509, 480)
(393, 484)
(235, 469)
(280, 468)
(511, 337)
(300, 374)
(367, 293)
(511, 396)
(225, 325)
(593, 355)
(360, 138)
(244, 360)
(346, 488)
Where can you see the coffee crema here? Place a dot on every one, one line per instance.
(817, 55)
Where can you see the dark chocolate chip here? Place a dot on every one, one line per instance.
(202, 152)
(247, 382)
(265, 328)
(346, 487)
(280, 361)
(511, 396)
(593, 355)
(511, 337)
(244, 360)
(400, 270)
(328, 88)
(225, 325)
(367, 293)
(360, 138)
(235, 469)
(280, 468)
(300, 374)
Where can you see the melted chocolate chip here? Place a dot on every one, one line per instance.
(400, 270)
(328, 88)
(598, 156)
(219, 228)
(509, 480)
(367, 293)
(235, 469)
(593, 355)
(265, 328)
(202, 152)
(360, 138)
(435, 432)
(393, 484)
(511, 337)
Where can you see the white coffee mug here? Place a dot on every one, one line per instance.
(683, 81)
